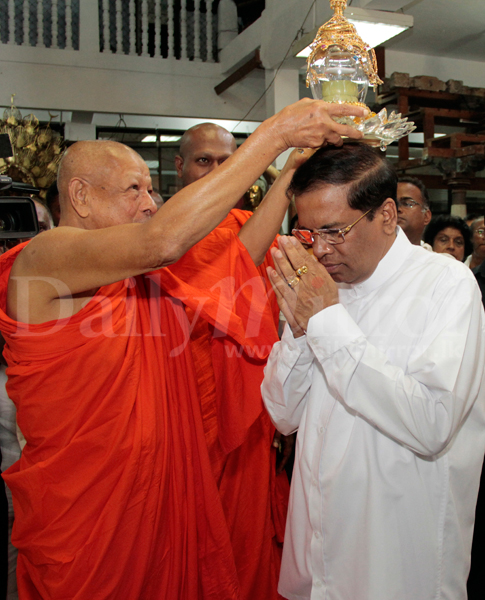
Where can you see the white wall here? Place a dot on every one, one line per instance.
(59, 79)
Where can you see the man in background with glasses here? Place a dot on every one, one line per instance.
(413, 213)
(380, 370)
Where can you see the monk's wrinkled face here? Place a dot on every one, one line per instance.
(207, 149)
(122, 192)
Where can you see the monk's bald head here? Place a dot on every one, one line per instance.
(92, 160)
(205, 133)
(95, 176)
(203, 148)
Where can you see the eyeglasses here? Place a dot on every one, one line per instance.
(410, 204)
(480, 232)
(329, 236)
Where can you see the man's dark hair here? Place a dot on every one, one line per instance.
(371, 177)
(419, 184)
(51, 195)
(440, 222)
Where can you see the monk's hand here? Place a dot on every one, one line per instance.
(310, 124)
(296, 159)
(302, 285)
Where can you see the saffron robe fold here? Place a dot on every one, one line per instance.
(113, 495)
(238, 430)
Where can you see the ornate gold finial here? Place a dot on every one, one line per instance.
(338, 6)
(339, 32)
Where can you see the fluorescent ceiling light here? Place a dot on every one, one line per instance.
(170, 138)
(163, 138)
(375, 34)
(374, 26)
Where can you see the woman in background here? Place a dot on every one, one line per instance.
(450, 235)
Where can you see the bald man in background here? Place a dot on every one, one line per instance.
(203, 148)
(114, 493)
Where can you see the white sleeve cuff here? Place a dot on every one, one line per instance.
(294, 349)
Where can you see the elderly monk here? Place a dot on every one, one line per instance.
(114, 495)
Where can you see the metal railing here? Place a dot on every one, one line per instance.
(160, 28)
(40, 23)
(171, 29)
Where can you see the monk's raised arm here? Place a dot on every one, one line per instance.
(106, 233)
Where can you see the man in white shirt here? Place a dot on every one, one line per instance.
(380, 370)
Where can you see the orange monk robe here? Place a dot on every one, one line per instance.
(238, 431)
(234, 221)
(114, 496)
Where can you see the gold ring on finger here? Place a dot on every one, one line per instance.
(302, 270)
(293, 281)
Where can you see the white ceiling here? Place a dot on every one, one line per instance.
(446, 28)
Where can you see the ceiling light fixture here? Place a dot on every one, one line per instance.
(374, 26)
(170, 138)
(163, 138)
